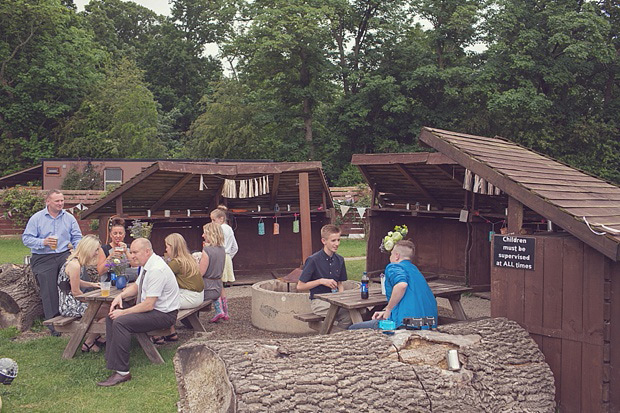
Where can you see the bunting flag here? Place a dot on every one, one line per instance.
(474, 183)
(344, 209)
(71, 210)
(361, 211)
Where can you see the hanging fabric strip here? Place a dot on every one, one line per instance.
(467, 180)
(202, 185)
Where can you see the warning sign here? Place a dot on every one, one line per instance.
(514, 252)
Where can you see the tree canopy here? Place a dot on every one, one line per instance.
(307, 79)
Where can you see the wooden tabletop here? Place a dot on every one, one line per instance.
(95, 295)
(351, 299)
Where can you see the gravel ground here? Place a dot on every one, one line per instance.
(240, 324)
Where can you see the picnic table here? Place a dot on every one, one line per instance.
(78, 327)
(350, 300)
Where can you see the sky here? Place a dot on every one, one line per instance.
(158, 6)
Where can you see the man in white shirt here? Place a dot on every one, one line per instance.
(156, 308)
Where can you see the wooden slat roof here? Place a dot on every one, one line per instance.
(578, 202)
(34, 173)
(175, 186)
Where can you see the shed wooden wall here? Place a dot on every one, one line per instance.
(440, 246)
(266, 253)
(565, 306)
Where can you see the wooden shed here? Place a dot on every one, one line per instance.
(178, 196)
(555, 268)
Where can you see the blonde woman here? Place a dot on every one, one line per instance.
(73, 281)
(218, 216)
(211, 267)
(185, 269)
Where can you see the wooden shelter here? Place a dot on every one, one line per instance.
(555, 270)
(178, 197)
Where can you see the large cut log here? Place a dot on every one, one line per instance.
(364, 370)
(20, 303)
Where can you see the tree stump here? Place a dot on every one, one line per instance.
(364, 370)
(20, 303)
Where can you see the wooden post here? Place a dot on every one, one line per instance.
(304, 211)
(515, 216)
(119, 205)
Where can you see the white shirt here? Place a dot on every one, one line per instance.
(159, 282)
(230, 243)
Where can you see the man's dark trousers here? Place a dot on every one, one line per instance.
(46, 268)
(118, 334)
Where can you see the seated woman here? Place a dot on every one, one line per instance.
(188, 277)
(212, 266)
(116, 248)
(73, 280)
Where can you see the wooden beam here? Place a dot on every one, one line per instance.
(304, 209)
(274, 189)
(119, 205)
(417, 184)
(215, 200)
(606, 246)
(515, 216)
(373, 198)
(180, 184)
(454, 176)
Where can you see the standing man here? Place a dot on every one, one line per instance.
(156, 308)
(324, 272)
(49, 234)
(406, 289)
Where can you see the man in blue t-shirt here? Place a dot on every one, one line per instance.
(324, 272)
(406, 289)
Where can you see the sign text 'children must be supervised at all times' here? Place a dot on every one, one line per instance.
(514, 252)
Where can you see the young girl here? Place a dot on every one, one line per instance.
(73, 281)
(212, 265)
(218, 216)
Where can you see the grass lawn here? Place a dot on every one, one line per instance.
(47, 383)
(12, 250)
(355, 269)
(352, 247)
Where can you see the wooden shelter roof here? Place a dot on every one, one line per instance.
(174, 186)
(34, 173)
(585, 206)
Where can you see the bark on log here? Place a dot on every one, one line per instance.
(364, 370)
(20, 303)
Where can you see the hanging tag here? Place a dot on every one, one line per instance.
(276, 227)
(261, 227)
(491, 233)
(296, 225)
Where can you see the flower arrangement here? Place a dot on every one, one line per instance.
(118, 265)
(392, 237)
(139, 229)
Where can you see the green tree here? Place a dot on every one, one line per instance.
(118, 120)
(47, 64)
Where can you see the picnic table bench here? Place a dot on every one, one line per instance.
(350, 300)
(78, 327)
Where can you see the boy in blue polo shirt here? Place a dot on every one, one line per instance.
(406, 289)
(324, 272)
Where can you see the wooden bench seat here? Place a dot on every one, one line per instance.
(60, 321)
(314, 321)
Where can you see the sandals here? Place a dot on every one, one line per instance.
(159, 340)
(172, 337)
(90, 348)
(100, 343)
(162, 339)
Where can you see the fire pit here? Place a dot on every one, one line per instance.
(274, 303)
